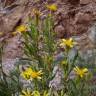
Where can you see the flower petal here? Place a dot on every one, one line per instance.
(85, 70)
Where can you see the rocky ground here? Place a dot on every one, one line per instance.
(76, 18)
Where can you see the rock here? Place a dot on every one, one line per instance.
(10, 21)
(8, 65)
(94, 0)
(80, 29)
(73, 2)
(60, 31)
(82, 18)
(92, 34)
(83, 2)
(87, 45)
(11, 51)
(59, 57)
(9, 2)
(56, 83)
(72, 75)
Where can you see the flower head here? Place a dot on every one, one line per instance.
(52, 7)
(36, 93)
(80, 71)
(21, 28)
(29, 74)
(37, 12)
(36, 75)
(67, 43)
(26, 93)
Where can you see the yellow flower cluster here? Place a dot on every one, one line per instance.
(80, 71)
(34, 93)
(52, 7)
(37, 12)
(20, 29)
(69, 43)
(29, 74)
(26, 93)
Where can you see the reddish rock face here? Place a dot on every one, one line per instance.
(82, 18)
(85, 1)
(74, 2)
(8, 2)
(94, 0)
(60, 31)
(75, 24)
(74, 19)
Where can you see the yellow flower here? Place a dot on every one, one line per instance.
(36, 93)
(36, 75)
(26, 93)
(52, 7)
(37, 12)
(21, 28)
(29, 74)
(67, 42)
(80, 71)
